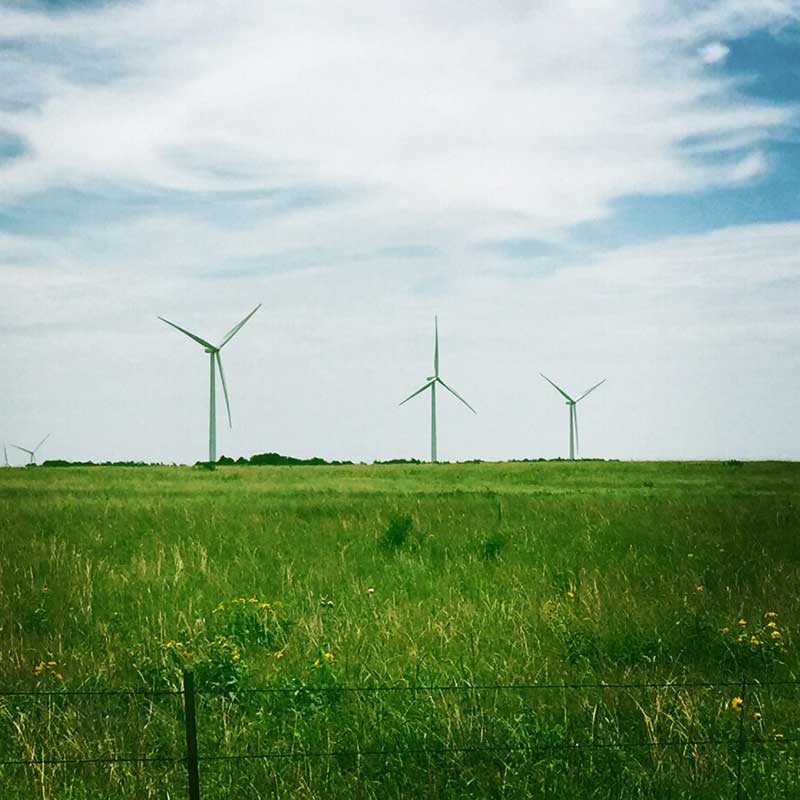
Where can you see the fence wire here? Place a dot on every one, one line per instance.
(736, 744)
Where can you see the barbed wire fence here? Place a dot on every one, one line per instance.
(192, 757)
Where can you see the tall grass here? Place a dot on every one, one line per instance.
(432, 575)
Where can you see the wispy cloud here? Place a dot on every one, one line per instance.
(360, 167)
(508, 120)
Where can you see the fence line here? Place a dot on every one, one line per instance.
(453, 687)
(192, 758)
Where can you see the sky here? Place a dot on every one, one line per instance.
(589, 190)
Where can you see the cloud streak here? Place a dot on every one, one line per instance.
(507, 120)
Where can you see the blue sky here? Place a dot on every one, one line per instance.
(588, 189)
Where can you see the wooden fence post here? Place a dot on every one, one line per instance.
(190, 718)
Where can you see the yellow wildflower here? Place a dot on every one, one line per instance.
(699, 588)
(737, 703)
(742, 621)
(776, 634)
(328, 657)
(278, 654)
(316, 662)
(771, 614)
(756, 715)
(726, 629)
(571, 595)
(779, 736)
(755, 640)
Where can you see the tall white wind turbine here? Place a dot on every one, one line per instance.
(574, 443)
(31, 453)
(432, 381)
(5, 456)
(216, 360)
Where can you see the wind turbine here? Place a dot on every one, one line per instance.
(215, 360)
(574, 442)
(432, 381)
(5, 456)
(31, 453)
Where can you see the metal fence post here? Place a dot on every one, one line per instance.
(741, 744)
(190, 718)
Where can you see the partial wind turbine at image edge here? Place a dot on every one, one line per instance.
(574, 443)
(215, 361)
(31, 453)
(431, 384)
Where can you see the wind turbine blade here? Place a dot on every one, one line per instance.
(436, 348)
(577, 437)
(189, 334)
(41, 443)
(426, 386)
(557, 388)
(236, 328)
(224, 387)
(24, 449)
(592, 389)
(453, 392)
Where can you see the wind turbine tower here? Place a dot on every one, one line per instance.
(215, 361)
(431, 384)
(574, 443)
(31, 453)
(5, 456)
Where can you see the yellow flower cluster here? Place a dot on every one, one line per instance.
(225, 646)
(179, 648)
(247, 601)
(48, 668)
(758, 635)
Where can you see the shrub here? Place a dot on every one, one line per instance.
(397, 531)
(491, 546)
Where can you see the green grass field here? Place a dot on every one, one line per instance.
(462, 576)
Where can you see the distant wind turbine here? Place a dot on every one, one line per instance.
(432, 381)
(31, 453)
(574, 443)
(5, 456)
(216, 360)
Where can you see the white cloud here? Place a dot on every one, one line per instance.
(714, 52)
(442, 124)
(695, 334)
(501, 118)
